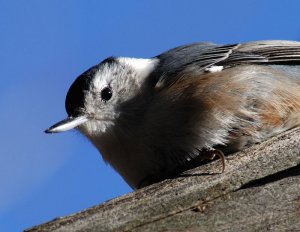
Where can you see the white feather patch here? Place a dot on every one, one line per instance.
(214, 68)
(142, 66)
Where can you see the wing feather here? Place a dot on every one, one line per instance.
(200, 56)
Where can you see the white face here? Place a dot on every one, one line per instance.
(97, 97)
(113, 84)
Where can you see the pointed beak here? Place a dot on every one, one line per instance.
(67, 124)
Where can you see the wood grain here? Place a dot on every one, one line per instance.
(259, 191)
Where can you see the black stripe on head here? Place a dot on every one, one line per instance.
(75, 97)
(109, 60)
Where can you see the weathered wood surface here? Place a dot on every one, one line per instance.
(259, 191)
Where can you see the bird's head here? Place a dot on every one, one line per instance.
(94, 100)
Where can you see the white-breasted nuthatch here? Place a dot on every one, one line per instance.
(149, 117)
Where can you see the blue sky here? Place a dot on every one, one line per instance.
(44, 45)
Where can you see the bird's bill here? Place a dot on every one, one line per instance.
(67, 124)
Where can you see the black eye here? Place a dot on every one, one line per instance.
(106, 94)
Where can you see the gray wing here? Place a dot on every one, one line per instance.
(201, 56)
(272, 51)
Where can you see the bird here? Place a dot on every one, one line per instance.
(150, 117)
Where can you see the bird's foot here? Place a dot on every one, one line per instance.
(211, 154)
